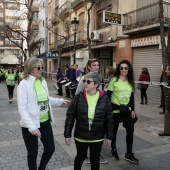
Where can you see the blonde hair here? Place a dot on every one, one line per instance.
(30, 64)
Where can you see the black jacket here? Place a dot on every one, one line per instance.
(102, 123)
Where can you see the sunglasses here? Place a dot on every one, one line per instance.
(88, 81)
(38, 68)
(124, 68)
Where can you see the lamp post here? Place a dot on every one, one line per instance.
(74, 24)
(25, 55)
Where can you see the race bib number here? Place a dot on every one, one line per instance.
(12, 81)
(43, 106)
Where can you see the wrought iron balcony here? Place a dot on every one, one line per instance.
(81, 40)
(75, 3)
(65, 8)
(145, 18)
(35, 8)
(35, 25)
(55, 20)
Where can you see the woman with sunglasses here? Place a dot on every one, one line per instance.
(121, 94)
(91, 66)
(34, 105)
(92, 112)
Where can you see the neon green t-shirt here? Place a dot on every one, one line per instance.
(20, 75)
(42, 100)
(92, 101)
(121, 92)
(10, 79)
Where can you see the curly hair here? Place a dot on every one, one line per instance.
(130, 75)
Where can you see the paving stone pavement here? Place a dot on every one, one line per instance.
(152, 151)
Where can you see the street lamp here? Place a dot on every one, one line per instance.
(25, 55)
(74, 24)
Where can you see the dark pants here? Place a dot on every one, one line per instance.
(10, 91)
(94, 148)
(60, 90)
(163, 100)
(128, 124)
(31, 142)
(143, 94)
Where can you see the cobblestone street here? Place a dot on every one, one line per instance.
(152, 151)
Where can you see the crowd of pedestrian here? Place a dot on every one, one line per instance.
(97, 108)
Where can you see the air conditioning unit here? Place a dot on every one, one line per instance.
(96, 36)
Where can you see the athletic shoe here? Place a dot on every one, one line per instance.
(87, 160)
(130, 157)
(102, 160)
(114, 154)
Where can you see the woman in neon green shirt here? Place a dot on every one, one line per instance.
(10, 83)
(121, 94)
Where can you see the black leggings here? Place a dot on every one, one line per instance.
(128, 124)
(94, 148)
(31, 142)
(10, 91)
(143, 94)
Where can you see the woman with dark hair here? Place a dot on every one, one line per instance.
(10, 83)
(144, 77)
(121, 94)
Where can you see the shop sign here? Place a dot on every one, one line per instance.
(49, 55)
(112, 17)
(146, 41)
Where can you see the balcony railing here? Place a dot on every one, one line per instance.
(76, 3)
(147, 16)
(65, 8)
(35, 25)
(35, 8)
(80, 40)
(55, 19)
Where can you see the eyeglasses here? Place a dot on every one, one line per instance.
(88, 81)
(38, 68)
(124, 68)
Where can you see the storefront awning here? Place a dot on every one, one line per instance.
(104, 45)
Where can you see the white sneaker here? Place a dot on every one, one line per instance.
(102, 160)
(87, 160)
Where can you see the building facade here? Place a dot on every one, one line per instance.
(142, 46)
(9, 52)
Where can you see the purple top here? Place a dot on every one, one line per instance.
(78, 73)
(59, 75)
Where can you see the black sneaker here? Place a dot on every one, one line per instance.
(130, 157)
(114, 154)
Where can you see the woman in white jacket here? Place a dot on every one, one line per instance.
(34, 105)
